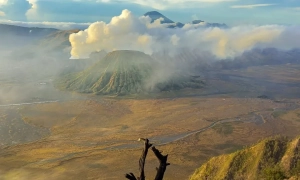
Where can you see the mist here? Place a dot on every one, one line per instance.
(31, 60)
(29, 66)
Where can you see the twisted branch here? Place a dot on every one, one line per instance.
(161, 158)
(162, 164)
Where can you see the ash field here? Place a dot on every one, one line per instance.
(80, 118)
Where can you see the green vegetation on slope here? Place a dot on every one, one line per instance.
(119, 72)
(124, 73)
(271, 159)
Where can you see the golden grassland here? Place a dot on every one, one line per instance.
(96, 139)
(272, 158)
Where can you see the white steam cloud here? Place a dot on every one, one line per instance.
(127, 32)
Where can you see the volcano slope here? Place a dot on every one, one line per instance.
(127, 72)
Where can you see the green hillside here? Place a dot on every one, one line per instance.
(271, 159)
(123, 73)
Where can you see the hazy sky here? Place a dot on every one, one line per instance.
(232, 12)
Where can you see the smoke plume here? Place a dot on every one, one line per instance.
(128, 32)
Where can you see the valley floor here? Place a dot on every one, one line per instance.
(92, 139)
(70, 136)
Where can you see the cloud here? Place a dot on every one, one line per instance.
(2, 13)
(127, 32)
(251, 6)
(32, 13)
(3, 2)
(76, 11)
(14, 9)
(45, 24)
(165, 4)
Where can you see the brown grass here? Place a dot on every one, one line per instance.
(83, 130)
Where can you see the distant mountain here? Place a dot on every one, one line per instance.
(25, 31)
(197, 21)
(273, 159)
(174, 25)
(16, 36)
(56, 42)
(206, 24)
(154, 15)
(216, 25)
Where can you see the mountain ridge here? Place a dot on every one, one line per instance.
(273, 158)
(155, 15)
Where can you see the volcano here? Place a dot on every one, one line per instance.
(125, 72)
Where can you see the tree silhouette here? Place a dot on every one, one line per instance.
(161, 158)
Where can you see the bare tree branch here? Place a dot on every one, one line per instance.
(130, 176)
(142, 161)
(162, 164)
(161, 158)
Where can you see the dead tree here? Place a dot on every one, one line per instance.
(162, 164)
(161, 158)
